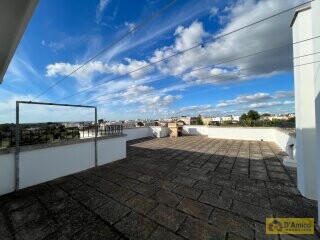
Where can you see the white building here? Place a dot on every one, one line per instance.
(216, 119)
(305, 25)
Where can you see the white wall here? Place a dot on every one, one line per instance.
(159, 132)
(195, 130)
(316, 48)
(243, 133)
(110, 150)
(41, 165)
(305, 103)
(6, 173)
(136, 133)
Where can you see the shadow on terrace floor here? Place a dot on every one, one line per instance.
(172, 188)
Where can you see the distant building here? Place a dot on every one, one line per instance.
(206, 120)
(188, 120)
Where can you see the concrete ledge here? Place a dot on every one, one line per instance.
(58, 144)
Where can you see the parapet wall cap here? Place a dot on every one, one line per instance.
(298, 10)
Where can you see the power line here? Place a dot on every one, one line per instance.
(188, 49)
(306, 64)
(209, 66)
(143, 23)
(210, 76)
(310, 54)
(213, 65)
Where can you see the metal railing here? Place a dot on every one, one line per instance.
(40, 136)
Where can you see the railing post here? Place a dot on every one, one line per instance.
(17, 149)
(96, 137)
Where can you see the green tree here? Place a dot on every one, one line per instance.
(140, 124)
(199, 120)
(253, 115)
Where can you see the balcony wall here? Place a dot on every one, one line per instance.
(41, 163)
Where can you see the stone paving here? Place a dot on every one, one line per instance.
(181, 188)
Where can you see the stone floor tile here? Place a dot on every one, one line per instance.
(231, 223)
(213, 199)
(196, 229)
(71, 222)
(187, 191)
(122, 194)
(97, 231)
(22, 216)
(145, 189)
(202, 185)
(135, 226)
(36, 230)
(112, 211)
(251, 211)
(168, 217)
(195, 208)
(167, 198)
(141, 204)
(162, 233)
(185, 181)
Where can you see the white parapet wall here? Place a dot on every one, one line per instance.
(285, 140)
(136, 133)
(277, 135)
(159, 132)
(41, 163)
(195, 130)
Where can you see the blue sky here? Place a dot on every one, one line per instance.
(64, 34)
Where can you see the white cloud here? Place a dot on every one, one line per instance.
(284, 94)
(213, 11)
(268, 34)
(267, 104)
(86, 73)
(255, 98)
(130, 25)
(100, 9)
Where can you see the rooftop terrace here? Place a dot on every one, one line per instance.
(189, 187)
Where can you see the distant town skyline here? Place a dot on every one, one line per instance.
(59, 39)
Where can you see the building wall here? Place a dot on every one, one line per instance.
(316, 58)
(305, 105)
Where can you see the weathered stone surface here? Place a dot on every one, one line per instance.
(180, 188)
(135, 226)
(167, 217)
(187, 191)
(167, 198)
(195, 208)
(36, 230)
(162, 233)
(112, 211)
(97, 231)
(231, 223)
(251, 211)
(141, 204)
(215, 200)
(196, 229)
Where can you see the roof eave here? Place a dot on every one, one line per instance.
(18, 35)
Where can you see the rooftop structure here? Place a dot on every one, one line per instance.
(181, 188)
